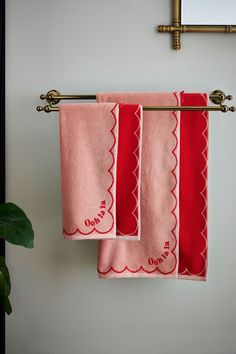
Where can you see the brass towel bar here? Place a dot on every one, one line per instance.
(217, 97)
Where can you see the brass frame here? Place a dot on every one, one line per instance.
(217, 97)
(177, 28)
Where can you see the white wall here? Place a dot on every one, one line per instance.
(59, 304)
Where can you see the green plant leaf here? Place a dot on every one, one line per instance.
(5, 286)
(4, 300)
(15, 227)
(6, 275)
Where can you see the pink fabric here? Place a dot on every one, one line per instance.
(88, 142)
(156, 254)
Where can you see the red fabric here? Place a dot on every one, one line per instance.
(128, 171)
(193, 188)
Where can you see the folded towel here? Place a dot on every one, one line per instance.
(100, 170)
(156, 254)
(88, 142)
(193, 189)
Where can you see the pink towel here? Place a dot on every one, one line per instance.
(100, 169)
(88, 142)
(156, 254)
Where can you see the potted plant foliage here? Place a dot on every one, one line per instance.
(16, 228)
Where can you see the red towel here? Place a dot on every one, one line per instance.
(193, 189)
(128, 172)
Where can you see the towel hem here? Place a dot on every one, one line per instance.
(91, 237)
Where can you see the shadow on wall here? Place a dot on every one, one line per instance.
(78, 255)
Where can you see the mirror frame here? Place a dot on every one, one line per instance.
(177, 28)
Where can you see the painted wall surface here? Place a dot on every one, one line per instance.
(59, 304)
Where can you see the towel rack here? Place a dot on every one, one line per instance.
(217, 97)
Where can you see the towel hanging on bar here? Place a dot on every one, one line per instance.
(88, 170)
(100, 170)
(156, 254)
(173, 195)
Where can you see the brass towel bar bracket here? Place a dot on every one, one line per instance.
(217, 97)
(177, 28)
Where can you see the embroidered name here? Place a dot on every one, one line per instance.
(162, 257)
(96, 220)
